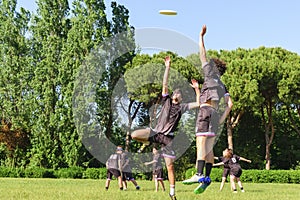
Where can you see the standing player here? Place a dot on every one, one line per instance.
(113, 168)
(163, 133)
(127, 172)
(232, 161)
(208, 119)
(157, 169)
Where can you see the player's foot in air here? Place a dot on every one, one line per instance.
(194, 179)
(143, 146)
(202, 186)
(173, 197)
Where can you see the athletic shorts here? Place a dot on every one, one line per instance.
(127, 176)
(112, 172)
(158, 174)
(207, 122)
(226, 172)
(237, 172)
(165, 141)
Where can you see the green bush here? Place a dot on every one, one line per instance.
(95, 173)
(71, 172)
(38, 172)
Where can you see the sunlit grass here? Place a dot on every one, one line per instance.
(78, 189)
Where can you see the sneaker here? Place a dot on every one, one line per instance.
(143, 147)
(235, 192)
(124, 189)
(137, 187)
(242, 190)
(194, 179)
(201, 188)
(173, 197)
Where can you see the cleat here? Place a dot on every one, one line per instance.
(143, 147)
(207, 180)
(194, 179)
(201, 188)
(137, 187)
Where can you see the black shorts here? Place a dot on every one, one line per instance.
(127, 176)
(237, 172)
(165, 141)
(207, 122)
(158, 174)
(226, 172)
(112, 172)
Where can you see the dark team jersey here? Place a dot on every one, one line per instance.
(170, 115)
(124, 159)
(113, 161)
(212, 88)
(157, 165)
(233, 162)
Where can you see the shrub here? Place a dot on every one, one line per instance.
(72, 172)
(38, 172)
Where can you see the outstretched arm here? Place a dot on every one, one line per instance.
(202, 46)
(244, 159)
(196, 104)
(151, 162)
(166, 75)
(218, 164)
(227, 110)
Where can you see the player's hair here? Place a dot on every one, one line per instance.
(221, 65)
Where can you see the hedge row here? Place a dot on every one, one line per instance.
(255, 176)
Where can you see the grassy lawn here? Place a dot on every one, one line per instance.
(73, 189)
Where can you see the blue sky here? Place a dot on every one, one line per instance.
(230, 24)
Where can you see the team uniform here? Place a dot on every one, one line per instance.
(233, 163)
(113, 166)
(226, 169)
(212, 90)
(157, 167)
(167, 124)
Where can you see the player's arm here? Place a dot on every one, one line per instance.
(166, 75)
(202, 46)
(218, 164)
(125, 164)
(227, 110)
(246, 160)
(195, 104)
(151, 162)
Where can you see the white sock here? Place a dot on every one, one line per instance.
(172, 190)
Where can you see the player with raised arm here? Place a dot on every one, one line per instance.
(163, 134)
(208, 119)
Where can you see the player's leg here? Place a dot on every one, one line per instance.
(156, 184)
(201, 156)
(224, 177)
(239, 182)
(171, 175)
(232, 182)
(108, 179)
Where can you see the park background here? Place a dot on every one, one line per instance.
(41, 55)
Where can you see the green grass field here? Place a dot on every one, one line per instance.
(73, 189)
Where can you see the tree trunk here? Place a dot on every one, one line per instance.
(229, 133)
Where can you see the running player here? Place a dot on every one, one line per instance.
(208, 119)
(163, 133)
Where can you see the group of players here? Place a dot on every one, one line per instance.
(207, 123)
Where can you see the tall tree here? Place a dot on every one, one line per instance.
(14, 82)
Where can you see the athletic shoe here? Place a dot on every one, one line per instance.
(194, 179)
(143, 147)
(124, 189)
(242, 190)
(137, 187)
(207, 180)
(173, 197)
(235, 191)
(201, 188)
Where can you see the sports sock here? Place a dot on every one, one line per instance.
(200, 166)
(172, 190)
(208, 167)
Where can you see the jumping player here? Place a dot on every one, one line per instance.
(208, 119)
(163, 133)
(157, 169)
(232, 161)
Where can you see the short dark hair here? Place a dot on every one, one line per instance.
(221, 65)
